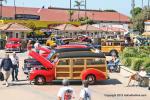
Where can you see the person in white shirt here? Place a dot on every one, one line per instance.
(36, 46)
(142, 72)
(65, 92)
(85, 93)
(15, 61)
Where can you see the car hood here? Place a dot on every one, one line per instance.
(46, 63)
(45, 50)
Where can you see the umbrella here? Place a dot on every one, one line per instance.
(13, 27)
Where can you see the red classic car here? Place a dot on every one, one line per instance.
(74, 66)
(13, 44)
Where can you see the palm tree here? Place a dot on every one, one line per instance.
(79, 5)
(71, 12)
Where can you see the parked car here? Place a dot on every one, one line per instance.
(53, 53)
(74, 66)
(13, 45)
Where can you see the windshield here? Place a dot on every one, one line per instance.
(51, 54)
(13, 42)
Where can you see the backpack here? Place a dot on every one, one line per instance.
(86, 95)
(1, 76)
(68, 94)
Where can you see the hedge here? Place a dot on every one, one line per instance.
(136, 63)
(135, 57)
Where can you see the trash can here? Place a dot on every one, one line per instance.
(145, 82)
(2, 43)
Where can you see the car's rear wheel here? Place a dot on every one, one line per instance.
(40, 80)
(91, 79)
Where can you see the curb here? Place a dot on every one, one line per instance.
(127, 69)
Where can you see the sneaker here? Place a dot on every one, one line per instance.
(7, 84)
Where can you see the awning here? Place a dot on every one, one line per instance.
(14, 27)
(88, 27)
(67, 27)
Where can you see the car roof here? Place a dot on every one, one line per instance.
(112, 40)
(81, 55)
(72, 49)
(71, 46)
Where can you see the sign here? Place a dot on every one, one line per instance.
(27, 16)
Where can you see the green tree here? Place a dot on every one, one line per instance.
(136, 11)
(85, 20)
(139, 18)
(79, 4)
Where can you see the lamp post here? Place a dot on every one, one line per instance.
(70, 12)
(148, 3)
(1, 4)
(15, 9)
(85, 9)
(142, 4)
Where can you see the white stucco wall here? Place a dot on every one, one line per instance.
(147, 27)
(118, 25)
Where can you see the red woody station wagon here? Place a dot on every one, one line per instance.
(73, 66)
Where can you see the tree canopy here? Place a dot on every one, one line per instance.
(136, 11)
(138, 18)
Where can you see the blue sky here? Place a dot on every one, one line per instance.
(122, 6)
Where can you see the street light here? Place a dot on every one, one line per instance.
(70, 11)
(15, 9)
(1, 4)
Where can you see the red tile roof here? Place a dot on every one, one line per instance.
(57, 14)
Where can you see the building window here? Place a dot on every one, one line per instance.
(17, 35)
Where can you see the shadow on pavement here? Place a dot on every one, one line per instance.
(109, 82)
(19, 84)
(78, 82)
